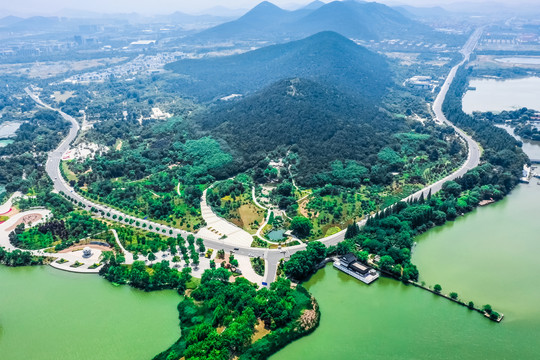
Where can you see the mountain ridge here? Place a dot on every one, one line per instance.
(327, 57)
(354, 19)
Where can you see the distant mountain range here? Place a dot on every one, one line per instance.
(258, 23)
(50, 24)
(10, 20)
(35, 23)
(423, 12)
(71, 19)
(326, 57)
(359, 20)
(322, 123)
(314, 5)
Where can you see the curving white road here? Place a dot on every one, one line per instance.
(271, 256)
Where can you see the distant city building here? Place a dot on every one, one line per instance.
(142, 44)
(420, 82)
(88, 28)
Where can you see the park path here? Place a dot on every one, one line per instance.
(70, 257)
(127, 255)
(221, 229)
(5, 226)
(267, 218)
(6, 207)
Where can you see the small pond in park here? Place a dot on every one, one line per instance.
(276, 235)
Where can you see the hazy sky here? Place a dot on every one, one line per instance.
(32, 7)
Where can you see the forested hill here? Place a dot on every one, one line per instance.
(326, 57)
(360, 20)
(318, 122)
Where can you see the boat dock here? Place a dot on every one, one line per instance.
(351, 266)
(526, 175)
(486, 202)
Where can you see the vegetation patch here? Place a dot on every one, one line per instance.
(231, 199)
(332, 231)
(17, 258)
(259, 243)
(143, 242)
(58, 233)
(66, 171)
(258, 265)
(246, 323)
(157, 276)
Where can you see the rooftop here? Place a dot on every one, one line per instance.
(359, 267)
(348, 258)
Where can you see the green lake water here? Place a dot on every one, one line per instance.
(51, 314)
(489, 256)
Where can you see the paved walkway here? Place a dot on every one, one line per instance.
(220, 229)
(244, 264)
(6, 207)
(70, 257)
(268, 212)
(4, 232)
(127, 255)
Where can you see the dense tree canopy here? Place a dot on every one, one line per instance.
(301, 226)
(304, 263)
(22, 161)
(237, 306)
(323, 123)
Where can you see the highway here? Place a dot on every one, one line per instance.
(271, 256)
